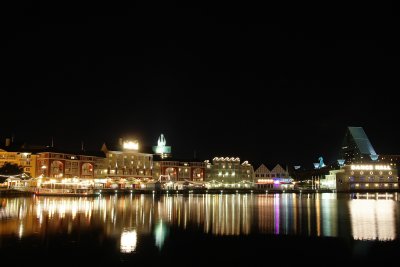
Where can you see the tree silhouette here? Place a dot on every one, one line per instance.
(10, 169)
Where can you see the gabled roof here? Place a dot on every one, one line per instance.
(278, 167)
(361, 139)
(262, 168)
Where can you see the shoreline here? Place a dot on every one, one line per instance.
(15, 192)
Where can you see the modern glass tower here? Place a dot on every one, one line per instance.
(356, 147)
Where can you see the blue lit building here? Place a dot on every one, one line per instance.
(356, 147)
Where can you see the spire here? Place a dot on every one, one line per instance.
(52, 141)
(82, 146)
(161, 141)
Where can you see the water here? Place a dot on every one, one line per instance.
(200, 229)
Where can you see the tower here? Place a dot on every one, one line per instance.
(357, 147)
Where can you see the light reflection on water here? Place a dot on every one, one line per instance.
(127, 218)
(373, 219)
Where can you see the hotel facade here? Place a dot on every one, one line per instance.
(124, 161)
(277, 178)
(362, 177)
(229, 172)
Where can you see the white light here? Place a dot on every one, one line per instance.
(370, 167)
(128, 241)
(131, 145)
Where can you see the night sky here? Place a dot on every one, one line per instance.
(268, 83)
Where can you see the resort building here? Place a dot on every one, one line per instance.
(277, 178)
(26, 160)
(57, 164)
(162, 149)
(125, 161)
(178, 170)
(21, 156)
(229, 172)
(356, 147)
(362, 177)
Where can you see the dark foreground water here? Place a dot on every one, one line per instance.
(201, 230)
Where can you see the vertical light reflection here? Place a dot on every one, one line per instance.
(128, 241)
(318, 212)
(294, 212)
(308, 214)
(372, 219)
(160, 233)
(276, 214)
(329, 214)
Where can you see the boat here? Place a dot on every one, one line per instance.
(76, 192)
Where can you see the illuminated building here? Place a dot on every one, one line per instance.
(168, 168)
(57, 164)
(277, 178)
(18, 155)
(392, 160)
(26, 160)
(362, 177)
(162, 149)
(178, 170)
(356, 147)
(229, 172)
(124, 161)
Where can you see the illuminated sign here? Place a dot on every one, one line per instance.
(131, 145)
(371, 167)
(265, 181)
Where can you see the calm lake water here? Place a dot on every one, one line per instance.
(200, 229)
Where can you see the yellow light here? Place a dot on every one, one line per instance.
(131, 145)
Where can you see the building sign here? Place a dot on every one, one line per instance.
(371, 167)
(131, 145)
(265, 181)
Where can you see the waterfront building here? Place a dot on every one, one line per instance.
(126, 160)
(169, 169)
(357, 147)
(176, 173)
(162, 149)
(26, 160)
(392, 160)
(19, 155)
(277, 178)
(362, 177)
(229, 172)
(58, 164)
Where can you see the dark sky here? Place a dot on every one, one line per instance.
(268, 83)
